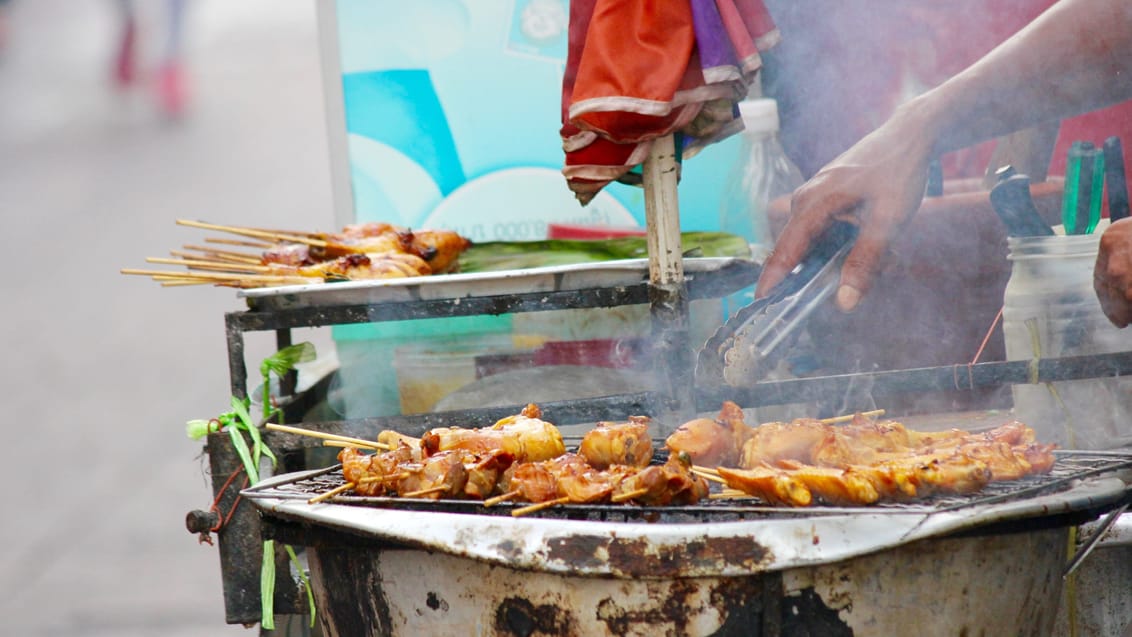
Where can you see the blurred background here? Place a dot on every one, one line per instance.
(103, 369)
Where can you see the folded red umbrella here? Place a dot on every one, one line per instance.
(637, 70)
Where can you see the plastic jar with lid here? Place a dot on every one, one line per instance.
(1050, 310)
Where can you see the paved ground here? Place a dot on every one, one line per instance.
(102, 370)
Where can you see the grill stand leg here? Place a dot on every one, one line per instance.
(240, 539)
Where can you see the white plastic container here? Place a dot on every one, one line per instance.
(1050, 310)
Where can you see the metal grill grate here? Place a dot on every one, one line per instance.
(1071, 467)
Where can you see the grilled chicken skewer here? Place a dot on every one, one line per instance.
(618, 443)
(525, 436)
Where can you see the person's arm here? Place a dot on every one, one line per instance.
(1075, 57)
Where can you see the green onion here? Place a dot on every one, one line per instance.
(303, 577)
(267, 586)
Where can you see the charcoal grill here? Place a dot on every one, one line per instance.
(727, 565)
(738, 561)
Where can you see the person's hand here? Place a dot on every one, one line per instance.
(877, 184)
(1112, 275)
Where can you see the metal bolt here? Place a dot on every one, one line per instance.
(201, 521)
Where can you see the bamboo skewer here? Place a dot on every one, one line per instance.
(730, 494)
(232, 255)
(194, 263)
(377, 446)
(396, 476)
(500, 498)
(254, 233)
(623, 497)
(263, 245)
(214, 258)
(521, 511)
(714, 477)
(219, 276)
(327, 436)
(331, 493)
(181, 282)
(428, 491)
(848, 417)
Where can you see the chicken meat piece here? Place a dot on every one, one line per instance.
(442, 475)
(525, 436)
(774, 441)
(711, 442)
(530, 481)
(842, 487)
(440, 248)
(672, 483)
(620, 443)
(484, 472)
(374, 474)
(394, 439)
(774, 485)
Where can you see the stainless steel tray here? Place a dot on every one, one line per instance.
(559, 278)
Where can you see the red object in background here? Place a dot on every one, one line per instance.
(602, 352)
(573, 231)
(868, 56)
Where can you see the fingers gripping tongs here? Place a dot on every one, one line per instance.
(754, 339)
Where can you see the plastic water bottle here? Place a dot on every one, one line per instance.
(762, 174)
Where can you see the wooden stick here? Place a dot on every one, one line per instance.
(212, 257)
(221, 276)
(703, 469)
(263, 245)
(714, 477)
(180, 282)
(729, 494)
(847, 418)
(521, 511)
(395, 476)
(326, 436)
(343, 443)
(253, 233)
(500, 498)
(331, 493)
(622, 497)
(232, 255)
(193, 263)
(428, 491)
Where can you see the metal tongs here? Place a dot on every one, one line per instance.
(753, 340)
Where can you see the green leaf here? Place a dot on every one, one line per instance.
(511, 255)
(197, 429)
(285, 359)
(240, 408)
(302, 576)
(244, 453)
(267, 586)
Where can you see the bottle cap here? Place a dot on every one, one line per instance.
(759, 115)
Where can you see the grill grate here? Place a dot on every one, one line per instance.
(1071, 467)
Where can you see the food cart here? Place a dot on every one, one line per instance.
(402, 568)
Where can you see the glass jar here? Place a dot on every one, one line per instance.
(1050, 310)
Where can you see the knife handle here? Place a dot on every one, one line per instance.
(1011, 200)
(1114, 175)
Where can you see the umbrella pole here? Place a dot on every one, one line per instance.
(668, 299)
